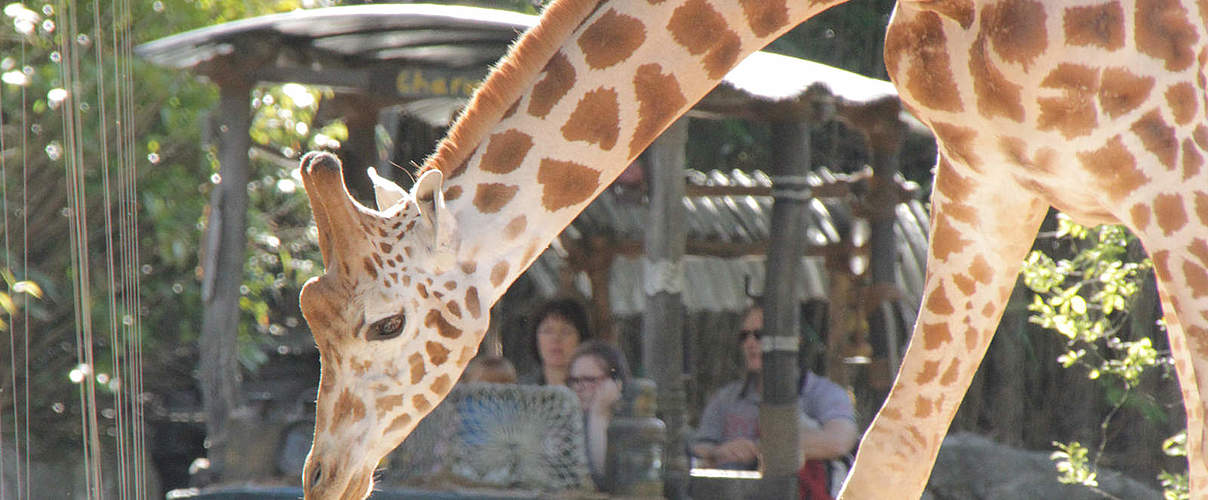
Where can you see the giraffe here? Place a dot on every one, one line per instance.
(1095, 107)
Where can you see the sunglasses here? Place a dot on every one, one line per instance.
(743, 334)
(584, 381)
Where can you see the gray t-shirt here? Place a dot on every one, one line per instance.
(734, 413)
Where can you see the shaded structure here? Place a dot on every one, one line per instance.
(427, 59)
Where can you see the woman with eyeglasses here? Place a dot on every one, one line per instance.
(559, 326)
(728, 435)
(598, 372)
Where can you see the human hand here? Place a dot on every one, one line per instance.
(606, 394)
(735, 451)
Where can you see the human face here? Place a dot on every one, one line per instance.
(752, 352)
(557, 339)
(587, 373)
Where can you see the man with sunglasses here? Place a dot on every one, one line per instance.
(729, 426)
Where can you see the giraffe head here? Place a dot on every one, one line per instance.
(394, 315)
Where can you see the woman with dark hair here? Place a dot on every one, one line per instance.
(598, 373)
(559, 326)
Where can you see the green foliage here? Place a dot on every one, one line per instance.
(1085, 299)
(1073, 466)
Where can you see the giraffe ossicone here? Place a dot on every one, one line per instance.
(1096, 107)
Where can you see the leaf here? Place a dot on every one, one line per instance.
(29, 288)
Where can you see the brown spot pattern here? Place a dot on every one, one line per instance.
(1164, 32)
(472, 305)
(965, 284)
(957, 142)
(1192, 159)
(1095, 25)
(399, 423)
(565, 183)
(445, 329)
(506, 151)
(1199, 248)
(960, 11)
(612, 38)
(937, 302)
(723, 56)
(945, 239)
(1016, 29)
(421, 403)
(348, 408)
(922, 407)
(980, 270)
(1182, 100)
(1115, 169)
(765, 16)
(922, 44)
(515, 227)
(387, 403)
(1157, 137)
(996, 95)
(951, 373)
(469, 267)
(931, 369)
(1169, 213)
(437, 353)
(1140, 217)
(1197, 278)
(696, 26)
(1122, 91)
(370, 268)
(595, 120)
(558, 80)
(441, 385)
(491, 197)
(659, 101)
(453, 308)
(417, 367)
(1073, 114)
(499, 273)
(935, 335)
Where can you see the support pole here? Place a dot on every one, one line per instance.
(225, 252)
(663, 320)
(778, 411)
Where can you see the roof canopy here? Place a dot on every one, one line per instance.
(409, 52)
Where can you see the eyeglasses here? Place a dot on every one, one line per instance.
(584, 381)
(744, 334)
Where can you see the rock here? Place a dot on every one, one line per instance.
(973, 467)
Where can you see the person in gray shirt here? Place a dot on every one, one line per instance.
(728, 434)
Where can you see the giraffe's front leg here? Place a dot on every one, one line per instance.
(981, 230)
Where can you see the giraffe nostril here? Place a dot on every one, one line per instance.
(316, 474)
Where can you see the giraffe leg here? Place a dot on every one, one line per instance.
(1183, 285)
(973, 260)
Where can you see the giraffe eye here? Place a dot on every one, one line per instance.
(386, 328)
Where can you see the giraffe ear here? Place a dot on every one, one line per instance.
(431, 201)
(387, 193)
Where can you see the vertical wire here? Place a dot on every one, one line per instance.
(79, 236)
(12, 336)
(24, 482)
(115, 324)
(126, 58)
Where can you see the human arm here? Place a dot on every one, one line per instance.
(598, 415)
(710, 443)
(830, 404)
(834, 439)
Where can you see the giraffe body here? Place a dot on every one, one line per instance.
(1096, 108)
(1036, 105)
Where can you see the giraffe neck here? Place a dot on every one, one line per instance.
(579, 98)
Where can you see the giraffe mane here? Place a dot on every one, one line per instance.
(508, 80)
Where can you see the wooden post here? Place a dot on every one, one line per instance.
(778, 412)
(225, 252)
(360, 152)
(882, 201)
(663, 320)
